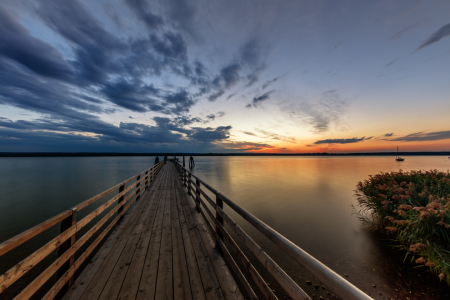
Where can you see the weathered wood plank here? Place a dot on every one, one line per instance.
(97, 284)
(82, 282)
(164, 282)
(210, 283)
(197, 289)
(181, 284)
(147, 285)
(117, 276)
(131, 283)
(226, 280)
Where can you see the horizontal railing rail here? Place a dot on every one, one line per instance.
(335, 282)
(66, 242)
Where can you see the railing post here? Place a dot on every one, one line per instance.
(183, 162)
(66, 224)
(189, 185)
(146, 183)
(219, 218)
(121, 188)
(197, 196)
(137, 188)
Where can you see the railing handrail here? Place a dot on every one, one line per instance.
(69, 227)
(338, 284)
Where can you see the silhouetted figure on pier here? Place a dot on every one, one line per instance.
(156, 160)
(191, 162)
(165, 159)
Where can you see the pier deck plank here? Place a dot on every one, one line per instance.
(160, 250)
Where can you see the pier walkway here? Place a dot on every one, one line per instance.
(160, 250)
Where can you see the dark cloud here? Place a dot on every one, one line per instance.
(133, 95)
(257, 100)
(179, 102)
(182, 15)
(88, 67)
(41, 58)
(21, 88)
(114, 16)
(97, 134)
(144, 13)
(209, 134)
(441, 33)
(340, 141)
(186, 120)
(248, 67)
(424, 136)
(227, 78)
(389, 134)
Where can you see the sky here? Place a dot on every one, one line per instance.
(224, 76)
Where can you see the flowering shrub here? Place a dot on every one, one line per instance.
(414, 208)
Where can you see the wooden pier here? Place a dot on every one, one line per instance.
(161, 250)
(158, 238)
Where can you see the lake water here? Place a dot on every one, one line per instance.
(306, 199)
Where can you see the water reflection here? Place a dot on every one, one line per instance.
(308, 200)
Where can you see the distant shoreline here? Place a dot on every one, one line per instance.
(98, 154)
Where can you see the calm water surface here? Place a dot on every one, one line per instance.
(307, 199)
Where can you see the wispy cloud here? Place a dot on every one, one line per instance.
(441, 33)
(424, 136)
(341, 141)
(245, 146)
(275, 136)
(321, 114)
(400, 33)
(267, 83)
(391, 62)
(258, 99)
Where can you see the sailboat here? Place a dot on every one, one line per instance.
(398, 158)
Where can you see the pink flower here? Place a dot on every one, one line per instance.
(401, 212)
(441, 276)
(420, 208)
(401, 222)
(415, 247)
(430, 264)
(424, 215)
(421, 261)
(405, 207)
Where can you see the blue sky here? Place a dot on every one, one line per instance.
(224, 76)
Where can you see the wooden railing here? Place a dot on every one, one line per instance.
(339, 285)
(66, 239)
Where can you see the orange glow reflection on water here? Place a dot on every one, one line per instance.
(308, 200)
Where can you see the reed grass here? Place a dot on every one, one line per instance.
(413, 209)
